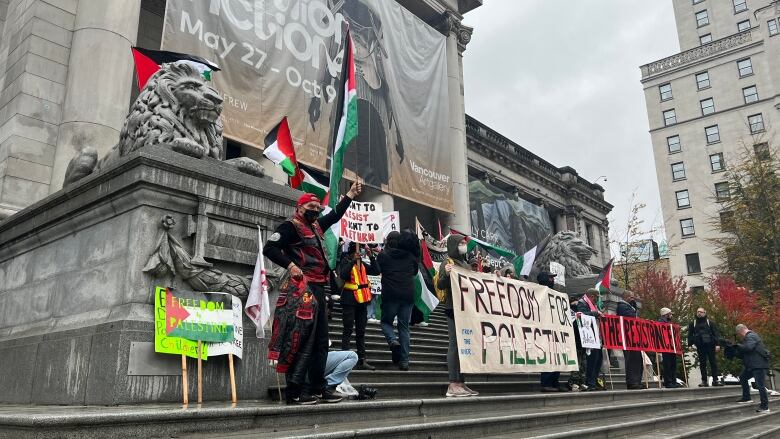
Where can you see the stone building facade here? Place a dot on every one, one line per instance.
(707, 106)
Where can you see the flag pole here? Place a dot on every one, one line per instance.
(658, 366)
(233, 397)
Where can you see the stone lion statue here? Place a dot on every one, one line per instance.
(568, 250)
(176, 108)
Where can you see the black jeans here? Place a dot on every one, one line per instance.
(634, 368)
(357, 316)
(707, 353)
(759, 375)
(550, 379)
(670, 369)
(593, 367)
(315, 383)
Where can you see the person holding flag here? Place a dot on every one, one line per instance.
(297, 245)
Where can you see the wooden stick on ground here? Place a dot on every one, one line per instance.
(233, 397)
(658, 366)
(184, 386)
(200, 373)
(609, 369)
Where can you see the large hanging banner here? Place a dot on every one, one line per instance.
(283, 58)
(630, 334)
(508, 326)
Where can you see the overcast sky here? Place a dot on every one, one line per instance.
(561, 78)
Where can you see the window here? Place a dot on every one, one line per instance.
(762, 151)
(742, 26)
(686, 225)
(589, 234)
(772, 26)
(670, 118)
(716, 162)
(704, 39)
(739, 6)
(713, 134)
(722, 191)
(666, 91)
(692, 261)
(756, 123)
(673, 143)
(750, 94)
(702, 18)
(683, 200)
(678, 171)
(745, 67)
(699, 290)
(727, 221)
(707, 106)
(703, 80)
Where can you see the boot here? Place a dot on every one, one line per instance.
(363, 365)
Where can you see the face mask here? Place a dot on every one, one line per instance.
(463, 248)
(311, 215)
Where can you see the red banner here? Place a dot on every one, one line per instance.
(630, 334)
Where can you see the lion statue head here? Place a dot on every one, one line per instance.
(178, 107)
(568, 250)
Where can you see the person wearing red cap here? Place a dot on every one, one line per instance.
(297, 245)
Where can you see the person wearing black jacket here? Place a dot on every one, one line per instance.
(297, 245)
(398, 266)
(633, 359)
(594, 356)
(755, 361)
(668, 360)
(704, 335)
(355, 297)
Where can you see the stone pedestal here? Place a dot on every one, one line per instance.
(76, 309)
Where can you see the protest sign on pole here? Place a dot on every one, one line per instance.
(235, 346)
(362, 223)
(632, 334)
(391, 222)
(589, 332)
(509, 326)
(165, 343)
(560, 273)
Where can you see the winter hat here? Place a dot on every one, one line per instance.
(665, 311)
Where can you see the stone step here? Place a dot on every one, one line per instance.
(437, 316)
(416, 376)
(498, 420)
(431, 325)
(378, 337)
(336, 327)
(257, 418)
(727, 426)
(384, 354)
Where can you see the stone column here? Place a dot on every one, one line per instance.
(97, 95)
(458, 36)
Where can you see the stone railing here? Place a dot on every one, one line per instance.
(697, 53)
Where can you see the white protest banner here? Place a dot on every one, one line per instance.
(560, 273)
(589, 332)
(362, 223)
(376, 284)
(509, 326)
(236, 347)
(391, 222)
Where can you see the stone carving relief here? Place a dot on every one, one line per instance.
(177, 108)
(697, 53)
(568, 250)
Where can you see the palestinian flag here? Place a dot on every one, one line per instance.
(605, 278)
(307, 180)
(199, 316)
(279, 148)
(148, 62)
(525, 263)
(344, 134)
(473, 243)
(424, 299)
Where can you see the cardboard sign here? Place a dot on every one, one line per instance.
(168, 344)
(236, 346)
(362, 223)
(391, 222)
(560, 273)
(630, 334)
(199, 316)
(589, 332)
(376, 284)
(509, 326)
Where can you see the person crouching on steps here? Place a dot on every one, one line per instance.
(457, 248)
(355, 298)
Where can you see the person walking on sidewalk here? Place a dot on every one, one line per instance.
(668, 360)
(633, 359)
(398, 266)
(703, 334)
(755, 364)
(297, 245)
(457, 248)
(355, 297)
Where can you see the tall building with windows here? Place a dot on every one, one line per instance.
(719, 95)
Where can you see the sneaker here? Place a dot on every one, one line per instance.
(335, 297)
(456, 390)
(373, 321)
(423, 324)
(330, 396)
(704, 385)
(395, 350)
(744, 401)
(403, 366)
(473, 392)
(302, 400)
(762, 410)
(363, 365)
(717, 384)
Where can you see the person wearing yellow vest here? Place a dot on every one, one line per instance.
(355, 297)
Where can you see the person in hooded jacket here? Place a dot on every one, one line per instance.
(457, 248)
(355, 297)
(633, 359)
(398, 266)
